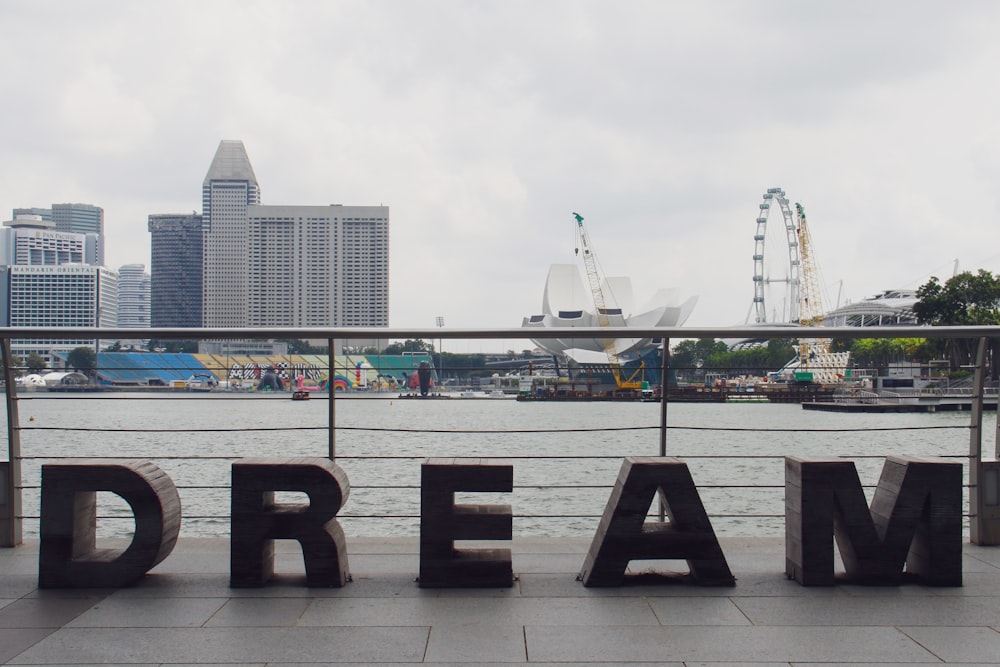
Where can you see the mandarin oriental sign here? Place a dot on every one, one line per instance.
(911, 532)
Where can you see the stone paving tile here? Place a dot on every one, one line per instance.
(50, 612)
(874, 611)
(17, 585)
(115, 612)
(559, 585)
(477, 611)
(697, 611)
(952, 644)
(260, 612)
(15, 640)
(228, 645)
(977, 584)
(469, 644)
(722, 644)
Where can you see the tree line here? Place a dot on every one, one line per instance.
(965, 299)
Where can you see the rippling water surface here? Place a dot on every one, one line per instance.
(737, 465)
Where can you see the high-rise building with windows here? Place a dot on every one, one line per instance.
(57, 296)
(318, 266)
(77, 219)
(133, 296)
(28, 240)
(287, 265)
(228, 189)
(176, 270)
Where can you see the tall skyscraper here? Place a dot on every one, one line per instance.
(229, 187)
(28, 240)
(75, 218)
(270, 265)
(177, 270)
(318, 266)
(133, 296)
(43, 213)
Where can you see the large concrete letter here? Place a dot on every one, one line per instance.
(915, 520)
(68, 554)
(624, 534)
(442, 522)
(257, 520)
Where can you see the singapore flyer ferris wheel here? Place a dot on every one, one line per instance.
(776, 265)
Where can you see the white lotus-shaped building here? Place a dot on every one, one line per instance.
(567, 302)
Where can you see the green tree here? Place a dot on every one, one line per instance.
(17, 365)
(689, 358)
(35, 362)
(173, 346)
(964, 299)
(83, 359)
(417, 345)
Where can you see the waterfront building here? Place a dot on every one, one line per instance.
(43, 213)
(177, 270)
(30, 240)
(287, 265)
(133, 296)
(566, 303)
(318, 265)
(230, 186)
(77, 219)
(890, 308)
(70, 295)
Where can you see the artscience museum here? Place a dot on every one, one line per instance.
(568, 302)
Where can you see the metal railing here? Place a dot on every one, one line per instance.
(724, 454)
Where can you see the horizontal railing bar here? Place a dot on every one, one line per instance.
(506, 333)
(608, 429)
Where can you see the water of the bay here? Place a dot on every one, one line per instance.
(566, 456)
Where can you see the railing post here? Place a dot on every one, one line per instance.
(664, 365)
(331, 408)
(11, 533)
(984, 476)
(664, 382)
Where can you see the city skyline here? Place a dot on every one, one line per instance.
(485, 126)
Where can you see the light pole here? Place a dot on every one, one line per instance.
(439, 321)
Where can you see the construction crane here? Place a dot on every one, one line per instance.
(810, 300)
(603, 319)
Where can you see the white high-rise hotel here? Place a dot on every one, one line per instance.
(288, 265)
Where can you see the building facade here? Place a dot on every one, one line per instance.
(228, 189)
(28, 240)
(133, 296)
(287, 265)
(76, 219)
(176, 270)
(318, 266)
(58, 296)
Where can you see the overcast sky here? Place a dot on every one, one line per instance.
(484, 125)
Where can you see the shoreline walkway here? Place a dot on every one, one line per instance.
(185, 613)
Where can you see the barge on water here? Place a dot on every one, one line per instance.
(770, 393)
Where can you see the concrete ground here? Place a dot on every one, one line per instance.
(184, 613)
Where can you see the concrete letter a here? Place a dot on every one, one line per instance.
(624, 534)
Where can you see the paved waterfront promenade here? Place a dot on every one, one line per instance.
(185, 613)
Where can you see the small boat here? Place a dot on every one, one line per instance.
(302, 390)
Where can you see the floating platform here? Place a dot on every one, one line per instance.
(776, 393)
(916, 404)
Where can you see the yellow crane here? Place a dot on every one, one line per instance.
(810, 300)
(603, 319)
